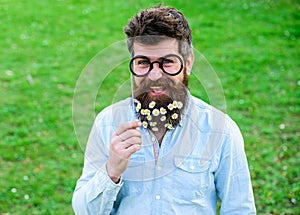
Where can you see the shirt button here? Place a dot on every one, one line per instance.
(157, 197)
(159, 168)
(192, 167)
(153, 139)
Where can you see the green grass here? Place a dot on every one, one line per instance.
(252, 45)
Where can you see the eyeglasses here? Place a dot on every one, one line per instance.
(141, 66)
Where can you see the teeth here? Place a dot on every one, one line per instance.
(155, 88)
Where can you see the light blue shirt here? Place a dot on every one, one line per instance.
(201, 160)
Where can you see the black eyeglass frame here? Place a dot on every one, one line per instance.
(160, 63)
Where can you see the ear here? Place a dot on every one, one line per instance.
(189, 63)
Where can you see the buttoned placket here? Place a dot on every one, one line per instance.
(157, 182)
(155, 147)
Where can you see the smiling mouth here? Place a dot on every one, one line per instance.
(157, 90)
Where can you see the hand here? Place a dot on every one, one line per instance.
(125, 141)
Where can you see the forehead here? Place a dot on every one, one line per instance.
(165, 47)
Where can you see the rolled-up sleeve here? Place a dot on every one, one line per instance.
(232, 178)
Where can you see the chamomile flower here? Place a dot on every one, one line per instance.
(138, 107)
(175, 104)
(145, 124)
(180, 105)
(152, 104)
(143, 112)
(149, 117)
(174, 116)
(170, 106)
(152, 124)
(169, 126)
(154, 129)
(155, 112)
(163, 118)
(136, 101)
(163, 111)
(147, 112)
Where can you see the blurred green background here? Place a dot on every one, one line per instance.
(253, 45)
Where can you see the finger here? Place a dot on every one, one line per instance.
(129, 133)
(131, 149)
(132, 137)
(119, 146)
(128, 125)
(131, 141)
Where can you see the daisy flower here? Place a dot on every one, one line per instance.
(155, 112)
(154, 129)
(145, 124)
(152, 124)
(170, 106)
(138, 107)
(147, 112)
(175, 104)
(174, 116)
(149, 117)
(152, 104)
(163, 118)
(169, 126)
(180, 105)
(163, 111)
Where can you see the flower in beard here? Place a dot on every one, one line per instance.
(152, 124)
(145, 124)
(152, 104)
(163, 111)
(155, 112)
(149, 117)
(170, 106)
(145, 112)
(163, 118)
(180, 105)
(154, 129)
(138, 107)
(169, 126)
(175, 104)
(174, 116)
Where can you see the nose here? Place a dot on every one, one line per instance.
(156, 72)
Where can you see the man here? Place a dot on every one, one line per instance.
(163, 151)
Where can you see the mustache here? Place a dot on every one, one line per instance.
(164, 83)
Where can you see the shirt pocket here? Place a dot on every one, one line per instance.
(191, 178)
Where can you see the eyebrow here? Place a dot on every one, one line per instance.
(151, 57)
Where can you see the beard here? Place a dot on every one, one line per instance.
(163, 110)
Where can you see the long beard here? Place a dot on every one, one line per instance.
(160, 111)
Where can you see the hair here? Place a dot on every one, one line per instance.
(162, 23)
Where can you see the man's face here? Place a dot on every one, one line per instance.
(154, 53)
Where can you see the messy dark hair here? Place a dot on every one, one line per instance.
(155, 24)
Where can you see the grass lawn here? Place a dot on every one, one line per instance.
(253, 46)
